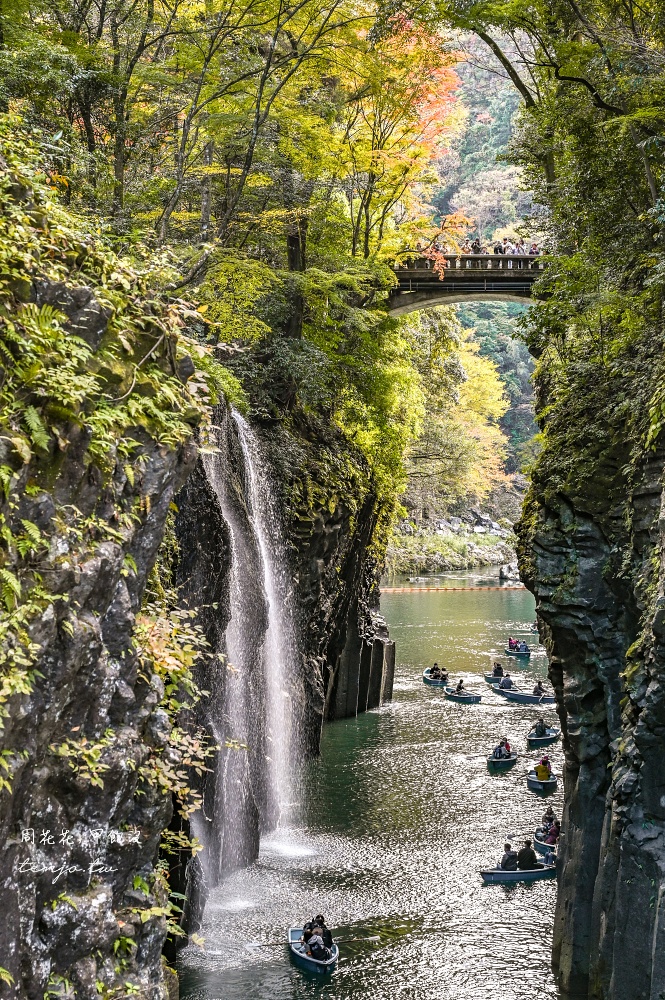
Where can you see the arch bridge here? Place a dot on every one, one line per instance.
(498, 277)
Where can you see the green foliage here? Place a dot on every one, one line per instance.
(55, 388)
(494, 327)
(458, 457)
(170, 642)
(84, 756)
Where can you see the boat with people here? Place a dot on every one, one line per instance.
(492, 678)
(524, 698)
(501, 763)
(304, 960)
(493, 876)
(434, 681)
(537, 784)
(552, 734)
(464, 697)
(539, 843)
(520, 653)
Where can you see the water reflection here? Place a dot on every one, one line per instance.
(400, 814)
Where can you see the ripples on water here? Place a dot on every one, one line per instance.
(399, 814)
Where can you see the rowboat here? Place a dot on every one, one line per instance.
(536, 785)
(306, 962)
(465, 699)
(524, 698)
(540, 845)
(491, 679)
(518, 653)
(431, 680)
(501, 763)
(495, 875)
(553, 734)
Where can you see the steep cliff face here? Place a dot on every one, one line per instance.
(81, 824)
(591, 551)
(96, 438)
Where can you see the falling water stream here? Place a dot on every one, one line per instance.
(253, 715)
(280, 652)
(398, 815)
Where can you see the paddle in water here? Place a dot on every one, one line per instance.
(270, 944)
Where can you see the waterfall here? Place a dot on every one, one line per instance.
(280, 650)
(253, 707)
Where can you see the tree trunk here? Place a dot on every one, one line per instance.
(119, 156)
(206, 193)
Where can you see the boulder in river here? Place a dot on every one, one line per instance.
(509, 571)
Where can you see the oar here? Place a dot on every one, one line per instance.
(270, 944)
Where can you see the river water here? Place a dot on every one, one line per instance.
(397, 816)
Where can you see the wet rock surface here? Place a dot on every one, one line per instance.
(591, 552)
(332, 518)
(78, 824)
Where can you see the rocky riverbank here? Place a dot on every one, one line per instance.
(425, 553)
(451, 544)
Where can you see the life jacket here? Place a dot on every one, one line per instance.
(542, 772)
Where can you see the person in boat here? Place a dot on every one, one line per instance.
(506, 745)
(543, 770)
(317, 948)
(527, 858)
(508, 862)
(320, 923)
(435, 672)
(499, 751)
(512, 643)
(522, 647)
(497, 670)
(548, 818)
(540, 729)
(506, 682)
(460, 689)
(550, 858)
(553, 833)
(539, 689)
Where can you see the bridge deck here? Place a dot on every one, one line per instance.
(468, 276)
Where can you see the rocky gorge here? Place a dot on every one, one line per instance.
(591, 551)
(108, 716)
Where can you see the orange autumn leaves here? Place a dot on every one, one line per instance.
(397, 129)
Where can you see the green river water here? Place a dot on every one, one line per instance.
(398, 815)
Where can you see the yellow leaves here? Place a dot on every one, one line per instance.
(482, 393)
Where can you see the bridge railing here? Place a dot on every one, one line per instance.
(476, 262)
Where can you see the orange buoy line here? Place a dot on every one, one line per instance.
(402, 590)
